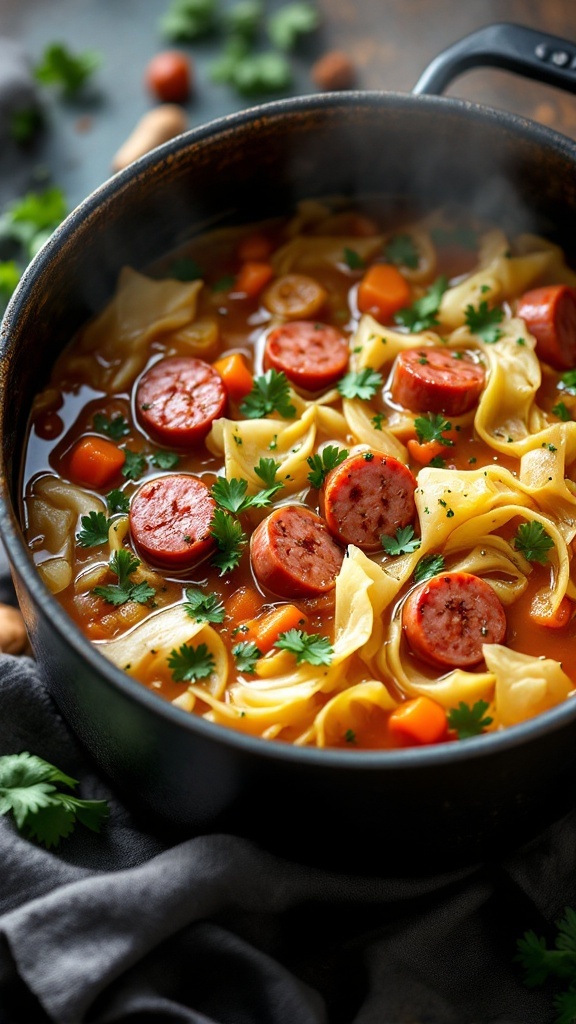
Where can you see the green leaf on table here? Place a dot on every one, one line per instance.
(290, 22)
(61, 67)
(187, 20)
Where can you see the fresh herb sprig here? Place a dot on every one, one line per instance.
(483, 322)
(94, 530)
(468, 721)
(246, 654)
(402, 543)
(427, 567)
(270, 393)
(68, 71)
(232, 495)
(421, 315)
(310, 647)
(189, 663)
(203, 607)
(533, 541)
(326, 460)
(362, 384)
(230, 539)
(115, 427)
(402, 251)
(123, 564)
(433, 428)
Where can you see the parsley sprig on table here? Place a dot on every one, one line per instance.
(427, 567)
(469, 721)
(533, 541)
(541, 964)
(203, 607)
(402, 251)
(432, 428)
(362, 384)
(421, 315)
(94, 530)
(484, 322)
(190, 663)
(321, 464)
(310, 647)
(123, 564)
(270, 393)
(28, 790)
(230, 539)
(69, 71)
(403, 543)
(232, 495)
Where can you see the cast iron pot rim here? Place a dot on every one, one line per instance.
(407, 759)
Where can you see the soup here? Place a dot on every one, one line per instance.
(312, 479)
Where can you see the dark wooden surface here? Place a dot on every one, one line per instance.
(390, 42)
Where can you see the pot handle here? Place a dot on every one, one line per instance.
(525, 51)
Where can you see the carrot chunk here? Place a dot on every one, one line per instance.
(243, 604)
(236, 376)
(383, 291)
(561, 618)
(265, 629)
(252, 277)
(95, 461)
(420, 720)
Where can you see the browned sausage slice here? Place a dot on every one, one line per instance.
(293, 555)
(550, 315)
(170, 519)
(312, 355)
(178, 399)
(437, 380)
(447, 619)
(367, 495)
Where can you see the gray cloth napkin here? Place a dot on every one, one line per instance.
(130, 926)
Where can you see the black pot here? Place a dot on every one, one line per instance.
(414, 809)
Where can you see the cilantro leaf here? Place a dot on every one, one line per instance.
(267, 470)
(246, 654)
(402, 251)
(28, 791)
(290, 22)
(270, 393)
(134, 464)
(484, 322)
(94, 530)
(163, 459)
(431, 428)
(189, 663)
(427, 567)
(310, 647)
(231, 495)
(59, 66)
(10, 275)
(260, 73)
(352, 259)
(362, 384)
(116, 428)
(542, 964)
(122, 564)
(568, 382)
(469, 721)
(562, 412)
(321, 464)
(186, 20)
(244, 18)
(421, 315)
(203, 607)
(30, 219)
(402, 544)
(117, 501)
(230, 538)
(533, 541)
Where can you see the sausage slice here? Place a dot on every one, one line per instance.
(447, 619)
(367, 495)
(293, 554)
(178, 399)
(312, 355)
(170, 519)
(550, 315)
(437, 380)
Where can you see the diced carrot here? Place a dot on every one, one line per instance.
(236, 376)
(265, 629)
(561, 618)
(383, 291)
(252, 277)
(95, 461)
(425, 452)
(254, 247)
(420, 720)
(243, 604)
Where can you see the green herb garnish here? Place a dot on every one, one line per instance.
(402, 251)
(403, 543)
(469, 721)
(270, 393)
(421, 315)
(123, 564)
(362, 384)
(189, 663)
(230, 538)
(427, 567)
(484, 322)
(533, 541)
(203, 607)
(60, 67)
(321, 464)
(310, 647)
(116, 428)
(246, 654)
(94, 530)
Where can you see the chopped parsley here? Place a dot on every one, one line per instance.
(432, 428)
(421, 315)
(123, 564)
(190, 663)
(352, 259)
(362, 384)
(164, 459)
(469, 721)
(403, 543)
(562, 412)
(116, 428)
(402, 251)
(270, 393)
(230, 539)
(310, 647)
(377, 420)
(321, 464)
(533, 541)
(117, 501)
(246, 654)
(41, 811)
(568, 382)
(483, 322)
(267, 470)
(185, 269)
(67, 70)
(94, 530)
(134, 465)
(289, 22)
(427, 567)
(203, 607)
(231, 495)
(186, 20)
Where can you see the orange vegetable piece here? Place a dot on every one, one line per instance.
(236, 376)
(254, 247)
(383, 291)
(420, 720)
(95, 461)
(243, 604)
(265, 629)
(252, 277)
(564, 613)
